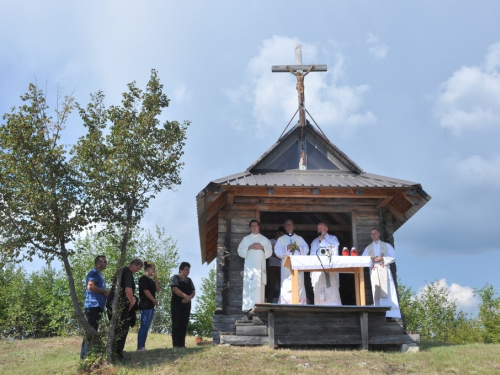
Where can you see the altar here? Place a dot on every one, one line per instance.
(340, 264)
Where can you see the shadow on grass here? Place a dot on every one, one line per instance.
(155, 357)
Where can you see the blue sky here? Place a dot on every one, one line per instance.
(412, 91)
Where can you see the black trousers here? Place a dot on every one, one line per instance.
(93, 315)
(180, 320)
(122, 326)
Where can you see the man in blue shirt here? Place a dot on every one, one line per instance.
(95, 298)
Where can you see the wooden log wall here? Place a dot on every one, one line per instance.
(233, 226)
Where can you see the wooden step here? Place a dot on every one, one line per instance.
(243, 340)
(254, 322)
(251, 330)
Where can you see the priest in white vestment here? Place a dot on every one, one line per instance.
(325, 284)
(383, 288)
(290, 244)
(255, 248)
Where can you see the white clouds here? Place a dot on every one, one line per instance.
(477, 171)
(468, 100)
(463, 296)
(274, 96)
(377, 49)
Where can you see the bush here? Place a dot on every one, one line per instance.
(202, 317)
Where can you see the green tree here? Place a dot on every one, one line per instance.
(13, 281)
(489, 313)
(435, 316)
(407, 305)
(202, 317)
(36, 305)
(129, 162)
(42, 202)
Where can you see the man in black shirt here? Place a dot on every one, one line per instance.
(126, 303)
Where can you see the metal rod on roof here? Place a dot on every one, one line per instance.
(288, 124)
(324, 135)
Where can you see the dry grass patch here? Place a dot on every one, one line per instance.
(60, 356)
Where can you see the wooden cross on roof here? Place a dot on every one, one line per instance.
(298, 71)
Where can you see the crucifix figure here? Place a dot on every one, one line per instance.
(300, 82)
(298, 71)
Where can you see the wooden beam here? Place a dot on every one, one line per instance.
(383, 201)
(215, 206)
(229, 201)
(298, 207)
(305, 68)
(407, 198)
(325, 192)
(306, 227)
(396, 213)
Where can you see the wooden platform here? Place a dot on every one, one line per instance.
(365, 327)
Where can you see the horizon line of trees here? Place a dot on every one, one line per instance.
(38, 304)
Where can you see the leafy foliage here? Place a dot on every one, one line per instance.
(36, 305)
(432, 314)
(489, 313)
(42, 201)
(202, 317)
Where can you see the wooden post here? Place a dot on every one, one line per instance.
(362, 286)
(295, 279)
(363, 322)
(270, 328)
(354, 220)
(295, 287)
(356, 287)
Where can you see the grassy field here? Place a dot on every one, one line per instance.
(60, 356)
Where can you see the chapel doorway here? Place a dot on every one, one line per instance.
(339, 224)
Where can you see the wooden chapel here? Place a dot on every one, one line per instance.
(305, 177)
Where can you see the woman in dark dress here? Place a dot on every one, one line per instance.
(148, 286)
(182, 294)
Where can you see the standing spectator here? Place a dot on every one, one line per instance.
(148, 286)
(95, 299)
(182, 294)
(126, 303)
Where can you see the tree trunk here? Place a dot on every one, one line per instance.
(89, 330)
(121, 263)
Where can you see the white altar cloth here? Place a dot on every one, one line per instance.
(306, 262)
